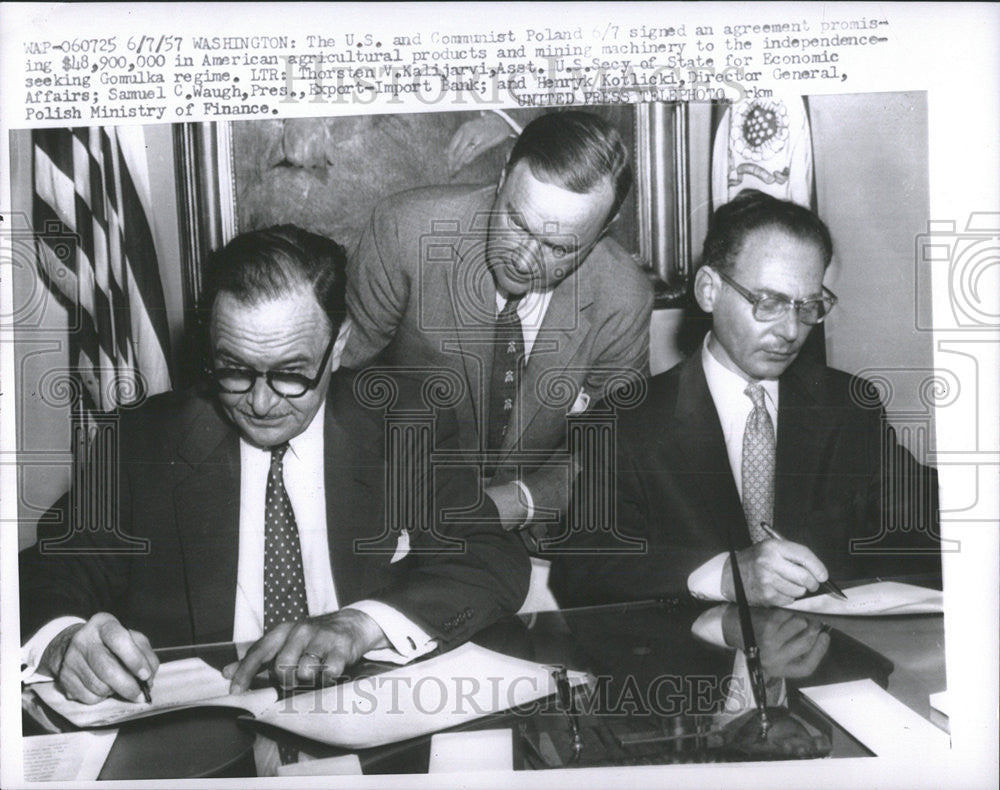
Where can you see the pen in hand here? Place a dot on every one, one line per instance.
(144, 688)
(828, 586)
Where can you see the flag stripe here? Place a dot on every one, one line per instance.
(101, 257)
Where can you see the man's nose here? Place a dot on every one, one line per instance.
(262, 397)
(525, 257)
(788, 326)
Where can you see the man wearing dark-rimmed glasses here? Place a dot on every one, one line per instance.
(749, 443)
(253, 497)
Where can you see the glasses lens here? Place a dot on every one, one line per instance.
(770, 309)
(289, 385)
(814, 312)
(234, 380)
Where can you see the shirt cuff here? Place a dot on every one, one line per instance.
(408, 640)
(32, 650)
(705, 581)
(708, 626)
(529, 501)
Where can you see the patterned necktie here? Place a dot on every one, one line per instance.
(508, 359)
(758, 464)
(284, 581)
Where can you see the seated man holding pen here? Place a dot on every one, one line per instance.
(262, 504)
(747, 444)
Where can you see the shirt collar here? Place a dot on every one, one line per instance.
(531, 308)
(722, 379)
(309, 443)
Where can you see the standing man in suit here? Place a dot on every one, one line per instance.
(256, 502)
(745, 436)
(521, 293)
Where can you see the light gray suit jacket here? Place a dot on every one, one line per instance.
(422, 298)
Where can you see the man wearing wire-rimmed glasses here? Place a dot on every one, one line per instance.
(748, 442)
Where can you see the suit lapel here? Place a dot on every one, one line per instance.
(702, 449)
(473, 309)
(349, 496)
(207, 512)
(565, 325)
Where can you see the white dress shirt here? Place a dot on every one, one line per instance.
(733, 408)
(303, 468)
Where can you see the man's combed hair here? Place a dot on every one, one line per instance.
(261, 265)
(753, 210)
(576, 150)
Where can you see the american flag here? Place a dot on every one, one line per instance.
(96, 253)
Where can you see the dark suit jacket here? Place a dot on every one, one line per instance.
(178, 488)
(840, 476)
(422, 298)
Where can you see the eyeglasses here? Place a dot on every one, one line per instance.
(237, 381)
(771, 307)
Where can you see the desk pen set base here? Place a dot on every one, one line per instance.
(651, 740)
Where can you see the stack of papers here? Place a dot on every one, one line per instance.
(420, 698)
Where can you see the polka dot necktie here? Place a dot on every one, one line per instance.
(284, 581)
(758, 464)
(508, 359)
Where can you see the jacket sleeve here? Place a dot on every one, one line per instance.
(79, 564)
(621, 355)
(463, 571)
(377, 289)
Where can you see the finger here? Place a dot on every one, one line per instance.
(289, 661)
(260, 653)
(107, 667)
(77, 665)
(336, 646)
(312, 667)
(73, 687)
(792, 627)
(799, 645)
(803, 557)
(807, 663)
(148, 653)
(119, 643)
(778, 565)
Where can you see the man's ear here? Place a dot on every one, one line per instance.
(706, 288)
(340, 342)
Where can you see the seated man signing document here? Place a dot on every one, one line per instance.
(255, 500)
(748, 444)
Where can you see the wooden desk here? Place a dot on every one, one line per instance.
(644, 646)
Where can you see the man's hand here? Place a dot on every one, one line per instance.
(313, 651)
(775, 573)
(473, 138)
(93, 660)
(791, 645)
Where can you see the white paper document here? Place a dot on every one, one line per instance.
(875, 599)
(186, 683)
(479, 750)
(345, 765)
(877, 719)
(67, 756)
(460, 686)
